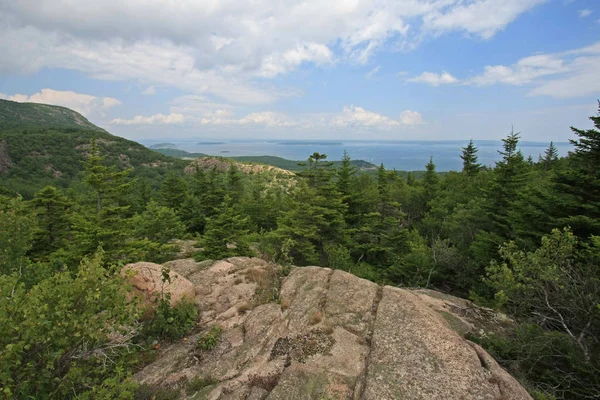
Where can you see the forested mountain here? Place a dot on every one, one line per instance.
(522, 237)
(47, 145)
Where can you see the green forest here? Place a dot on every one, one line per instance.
(521, 237)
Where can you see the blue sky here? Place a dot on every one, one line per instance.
(293, 69)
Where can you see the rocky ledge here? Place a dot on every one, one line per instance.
(319, 334)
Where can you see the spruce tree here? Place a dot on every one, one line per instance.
(54, 222)
(469, 157)
(578, 184)
(173, 191)
(550, 157)
(107, 223)
(225, 234)
(430, 180)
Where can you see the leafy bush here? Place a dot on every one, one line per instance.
(172, 322)
(211, 338)
(548, 363)
(66, 334)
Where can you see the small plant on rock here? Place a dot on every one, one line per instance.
(210, 339)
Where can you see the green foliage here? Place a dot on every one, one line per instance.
(17, 229)
(65, 334)
(225, 234)
(469, 157)
(210, 339)
(158, 224)
(556, 283)
(172, 322)
(548, 363)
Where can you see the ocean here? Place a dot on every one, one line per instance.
(399, 155)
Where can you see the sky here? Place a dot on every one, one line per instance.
(309, 69)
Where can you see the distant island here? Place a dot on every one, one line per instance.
(209, 143)
(163, 146)
(305, 143)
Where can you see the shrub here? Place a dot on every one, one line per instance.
(172, 322)
(210, 339)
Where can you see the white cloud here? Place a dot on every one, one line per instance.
(585, 13)
(288, 61)
(483, 18)
(149, 91)
(408, 117)
(269, 119)
(219, 48)
(85, 104)
(434, 79)
(156, 119)
(373, 72)
(358, 117)
(562, 75)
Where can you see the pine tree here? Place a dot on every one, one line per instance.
(235, 184)
(173, 191)
(578, 184)
(225, 234)
(344, 176)
(107, 223)
(550, 157)
(54, 222)
(430, 180)
(509, 177)
(469, 157)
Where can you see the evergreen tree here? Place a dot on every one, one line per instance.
(430, 180)
(235, 184)
(344, 176)
(173, 191)
(158, 224)
(578, 184)
(550, 157)
(225, 234)
(54, 222)
(106, 224)
(469, 157)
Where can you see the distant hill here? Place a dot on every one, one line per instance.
(290, 165)
(15, 115)
(46, 145)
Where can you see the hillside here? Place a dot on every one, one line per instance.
(15, 115)
(42, 145)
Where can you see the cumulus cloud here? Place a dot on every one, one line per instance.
(156, 119)
(585, 13)
(220, 48)
(408, 117)
(358, 117)
(85, 104)
(434, 79)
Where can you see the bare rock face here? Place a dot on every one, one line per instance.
(323, 334)
(147, 281)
